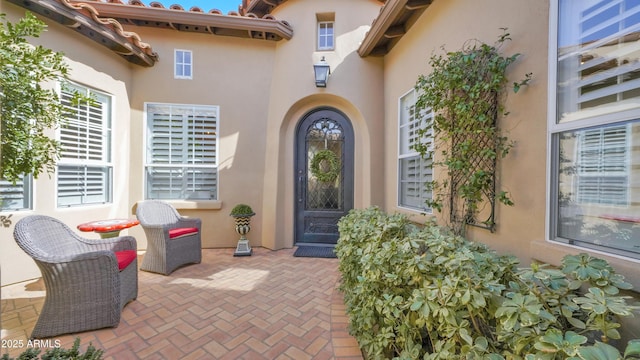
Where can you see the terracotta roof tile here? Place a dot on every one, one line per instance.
(86, 20)
(112, 24)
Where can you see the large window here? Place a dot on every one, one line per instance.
(595, 130)
(181, 152)
(414, 172)
(16, 196)
(84, 171)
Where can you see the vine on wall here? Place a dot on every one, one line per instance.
(465, 91)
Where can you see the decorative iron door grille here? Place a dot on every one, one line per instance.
(324, 175)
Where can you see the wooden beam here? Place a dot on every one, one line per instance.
(417, 4)
(394, 32)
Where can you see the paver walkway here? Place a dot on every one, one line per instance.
(270, 305)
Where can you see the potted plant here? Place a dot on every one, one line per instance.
(242, 214)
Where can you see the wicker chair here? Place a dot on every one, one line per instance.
(172, 240)
(87, 281)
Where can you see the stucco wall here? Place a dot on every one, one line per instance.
(523, 173)
(234, 74)
(449, 25)
(354, 87)
(263, 88)
(95, 67)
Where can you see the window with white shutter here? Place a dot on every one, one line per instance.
(84, 170)
(15, 197)
(602, 164)
(414, 172)
(595, 133)
(181, 152)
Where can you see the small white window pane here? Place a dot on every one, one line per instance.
(15, 197)
(325, 36)
(183, 64)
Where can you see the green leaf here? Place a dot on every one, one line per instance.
(633, 349)
(599, 351)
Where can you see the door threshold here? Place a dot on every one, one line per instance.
(314, 244)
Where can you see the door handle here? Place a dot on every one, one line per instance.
(300, 187)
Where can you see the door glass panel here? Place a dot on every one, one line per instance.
(324, 134)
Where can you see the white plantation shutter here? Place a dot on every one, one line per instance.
(598, 67)
(16, 197)
(181, 152)
(84, 170)
(414, 171)
(603, 166)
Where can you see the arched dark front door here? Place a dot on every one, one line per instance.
(325, 195)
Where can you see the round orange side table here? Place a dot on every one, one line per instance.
(108, 228)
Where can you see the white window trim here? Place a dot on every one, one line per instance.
(28, 194)
(400, 156)
(333, 36)
(175, 64)
(554, 128)
(183, 203)
(107, 164)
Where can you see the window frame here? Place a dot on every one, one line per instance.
(555, 128)
(321, 39)
(182, 65)
(27, 193)
(149, 164)
(104, 166)
(419, 120)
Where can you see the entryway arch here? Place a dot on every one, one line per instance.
(324, 175)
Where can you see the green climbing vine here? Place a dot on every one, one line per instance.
(465, 91)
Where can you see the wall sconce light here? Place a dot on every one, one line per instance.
(322, 71)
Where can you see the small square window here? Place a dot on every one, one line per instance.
(183, 64)
(325, 35)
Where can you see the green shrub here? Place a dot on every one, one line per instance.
(422, 292)
(241, 210)
(60, 353)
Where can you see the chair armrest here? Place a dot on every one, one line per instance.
(185, 222)
(108, 256)
(112, 244)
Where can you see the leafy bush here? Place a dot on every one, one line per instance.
(60, 353)
(423, 292)
(242, 210)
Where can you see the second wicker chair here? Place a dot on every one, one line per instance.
(172, 240)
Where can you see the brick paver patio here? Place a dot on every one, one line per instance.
(270, 305)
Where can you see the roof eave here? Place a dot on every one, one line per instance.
(101, 31)
(387, 29)
(278, 29)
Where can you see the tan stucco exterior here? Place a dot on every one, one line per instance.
(264, 88)
(523, 171)
(94, 66)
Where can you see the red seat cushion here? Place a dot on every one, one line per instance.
(125, 257)
(179, 232)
